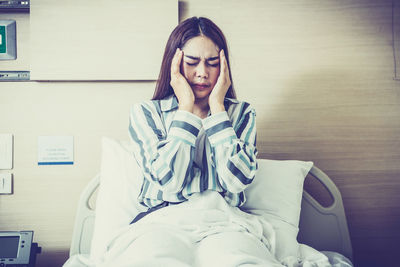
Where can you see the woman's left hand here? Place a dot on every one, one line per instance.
(217, 96)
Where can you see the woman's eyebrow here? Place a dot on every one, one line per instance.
(197, 58)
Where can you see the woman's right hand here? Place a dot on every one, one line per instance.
(181, 87)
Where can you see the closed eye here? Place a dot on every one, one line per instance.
(213, 61)
(213, 65)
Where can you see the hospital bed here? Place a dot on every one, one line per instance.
(322, 228)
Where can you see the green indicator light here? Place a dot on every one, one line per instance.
(3, 43)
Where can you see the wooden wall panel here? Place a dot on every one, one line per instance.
(320, 75)
(396, 37)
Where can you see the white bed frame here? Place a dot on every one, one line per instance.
(323, 228)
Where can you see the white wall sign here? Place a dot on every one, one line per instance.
(55, 150)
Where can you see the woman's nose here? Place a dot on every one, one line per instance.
(201, 70)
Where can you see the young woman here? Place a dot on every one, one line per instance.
(194, 135)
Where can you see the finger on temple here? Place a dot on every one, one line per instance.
(180, 56)
(175, 61)
(223, 64)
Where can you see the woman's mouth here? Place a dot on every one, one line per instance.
(200, 86)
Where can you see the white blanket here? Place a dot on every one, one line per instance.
(204, 231)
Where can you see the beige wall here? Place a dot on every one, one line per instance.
(320, 75)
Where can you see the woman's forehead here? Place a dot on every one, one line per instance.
(201, 47)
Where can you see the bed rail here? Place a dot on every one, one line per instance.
(324, 228)
(84, 221)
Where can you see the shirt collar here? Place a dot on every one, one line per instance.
(171, 102)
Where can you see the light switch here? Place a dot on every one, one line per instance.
(6, 151)
(5, 183)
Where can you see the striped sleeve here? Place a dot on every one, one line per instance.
(234, 149)
(185, 127)
(164, 157)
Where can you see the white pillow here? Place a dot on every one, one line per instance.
(276, 195)
(120, 184)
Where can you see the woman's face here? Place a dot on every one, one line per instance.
(200, 65)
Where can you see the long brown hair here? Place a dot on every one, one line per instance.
(186, 30)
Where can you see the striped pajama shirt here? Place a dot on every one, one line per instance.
(164, 140)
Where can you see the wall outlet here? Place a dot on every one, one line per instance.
(6, 183)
